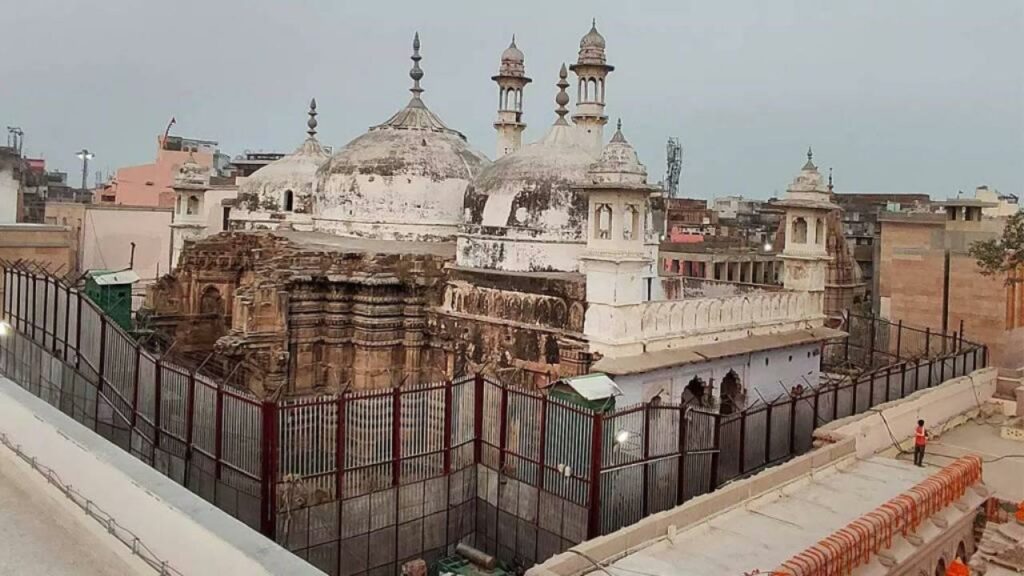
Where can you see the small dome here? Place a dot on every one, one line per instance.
(191, 174)
(592, 48)
(512, 54)
(619, 163)
(267, 188)
(592, 39)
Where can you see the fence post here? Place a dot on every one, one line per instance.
(835, 401)
(135, 391)
(396, 436)
(478, 417)
(596, 452)
(341, 422)
(853, 394)
(78, 330)
(984, 355)
(743, 441)
(899, 340)
(46, 297)
(190, 406)
(792, 424)
(903, 380)
(157, 393)
(268, 504)
(849, 330)
(871, 388)
(67, 321)
(218, 440)
(817, 400)
(871, 345)
(503, 429)
(447, 440)
(768, 434)
(102, 362)
(888, 383)
(542, 455)
(927, 341)
(716, 455)
(32, 305)
(681, 465)
(645, 453)
(942, 363)
(960, 343)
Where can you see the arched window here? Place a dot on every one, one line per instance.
(192, 205)
(694, 391)
(603, 222)
(940, 567)
(179, 205)
(289, 201)
(732, 393)
(799, 230)
(211, 302)
(592, 84)
(631, 223)
(600, 84)
(819, 231)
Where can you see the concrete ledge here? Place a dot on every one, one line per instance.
(610, 547)
(941, 407)
(192, 535)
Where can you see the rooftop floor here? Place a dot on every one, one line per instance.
(768, 530)
(43, 533)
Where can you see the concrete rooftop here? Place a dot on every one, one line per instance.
(766, 531)
(44, 533)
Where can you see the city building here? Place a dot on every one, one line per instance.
(689, 220)
(202, 204)
(152, 184)
(860, 227)
(927, 277)
(249, 162)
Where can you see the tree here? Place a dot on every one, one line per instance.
(1003, 256)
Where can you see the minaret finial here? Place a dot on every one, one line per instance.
(416, 73)
(810, 164)
(513, 44)
(311, 123)
(562, 98)
(810, 154)
(830, 179)
(618, 125)
(593, 23)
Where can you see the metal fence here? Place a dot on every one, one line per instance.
(359, 482)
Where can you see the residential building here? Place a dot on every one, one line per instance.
(152, 184)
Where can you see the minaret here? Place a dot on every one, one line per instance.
(511, 80)
(591, 69)
(808, 203)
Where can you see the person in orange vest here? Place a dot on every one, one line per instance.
(958, 568)
(920, 441)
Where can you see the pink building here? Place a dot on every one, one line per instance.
(150, 184)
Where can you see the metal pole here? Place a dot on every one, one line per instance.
(646, 453)
(596, 450)
(768, 434)
(341, 422)
(447, 440)
(157, 395)
(716, 455)
(190, 399)
(542, 455)
(899, 340)
(743, 441)
(396, 436)
(102, 362)
(478, 417)
(218, 428)
(927, 341)
(681, 465)
(903, 380)
(268, 503)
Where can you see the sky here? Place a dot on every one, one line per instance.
(909, 96)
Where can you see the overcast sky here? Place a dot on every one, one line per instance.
(906, 96)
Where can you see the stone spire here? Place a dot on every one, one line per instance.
(562, 98)
(311, 123)
(416, 73)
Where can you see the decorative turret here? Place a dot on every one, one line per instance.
(511, 80)
(591, 69)
(808, 203)
(620, 250)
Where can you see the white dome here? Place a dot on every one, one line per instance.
(402, 180)
(267, 188)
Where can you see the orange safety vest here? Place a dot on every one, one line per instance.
(920, 438)
(958, 568)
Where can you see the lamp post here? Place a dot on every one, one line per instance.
(84, 155)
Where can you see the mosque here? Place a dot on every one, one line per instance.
(409, 256)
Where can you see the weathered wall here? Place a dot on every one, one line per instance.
(10, 187)
(150, 184)
(766, 374)
(48, 246)
(108, 232)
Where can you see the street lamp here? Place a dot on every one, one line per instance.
(84, 155)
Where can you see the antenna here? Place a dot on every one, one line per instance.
(674, 161)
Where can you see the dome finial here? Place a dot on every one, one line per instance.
(618, 136)
(810, 164)
(593, 24)
(562, 98)
(618, 125)
(311, 123)
(513, 44)
(416, 73)
(830, 179)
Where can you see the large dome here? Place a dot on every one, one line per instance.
(282, 191)
(402, 180)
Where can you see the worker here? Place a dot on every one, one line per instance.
(958, 568)
(920, 441)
